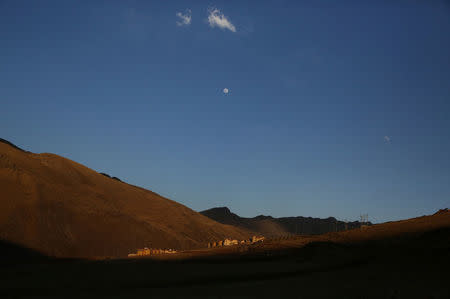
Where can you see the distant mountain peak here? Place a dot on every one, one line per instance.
(262, 217)
(220, 209)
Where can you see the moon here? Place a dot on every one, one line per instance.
(225, 90)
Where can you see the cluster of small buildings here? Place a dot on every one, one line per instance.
(149, 251)
(229, 242)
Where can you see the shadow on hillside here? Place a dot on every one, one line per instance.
(11, 253)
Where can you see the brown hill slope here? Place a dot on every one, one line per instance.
(273, 227)
(63, 208)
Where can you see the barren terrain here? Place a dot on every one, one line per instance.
(66, 231)
(64, 209)
(405, 259)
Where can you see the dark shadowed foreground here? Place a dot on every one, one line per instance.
(406, 259)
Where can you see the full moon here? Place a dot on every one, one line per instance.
(225, 90)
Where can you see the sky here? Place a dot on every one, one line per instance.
(282, 108)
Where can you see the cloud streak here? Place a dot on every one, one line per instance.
(184, 19)
(217, 19)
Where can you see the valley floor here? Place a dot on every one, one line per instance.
(411, 266)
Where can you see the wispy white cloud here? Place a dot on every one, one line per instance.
(184, 19)
(216, 18)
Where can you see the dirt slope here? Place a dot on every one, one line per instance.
(63, 208)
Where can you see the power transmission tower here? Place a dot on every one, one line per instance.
(364, 219)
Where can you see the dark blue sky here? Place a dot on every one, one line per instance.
(335, 108)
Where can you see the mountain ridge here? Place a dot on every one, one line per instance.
(273, 227)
